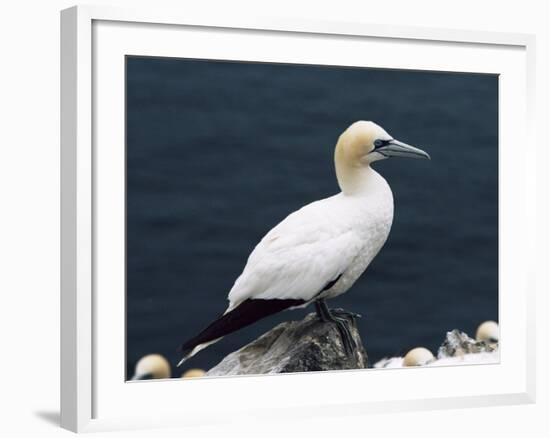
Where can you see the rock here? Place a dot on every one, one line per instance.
(458, 343)
(295, 346)
(468, 359)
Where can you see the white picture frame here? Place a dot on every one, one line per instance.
(93, 397)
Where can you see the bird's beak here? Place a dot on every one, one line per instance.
(396, 148)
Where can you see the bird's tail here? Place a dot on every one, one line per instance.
(246, 313)
(189, 353)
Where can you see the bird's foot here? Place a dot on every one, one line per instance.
(345, 313)
(342, 320)
(345, 334)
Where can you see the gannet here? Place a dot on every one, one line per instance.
(319, 251)
(418, 356)
(193, 373)
(488, 332)
(152, 366)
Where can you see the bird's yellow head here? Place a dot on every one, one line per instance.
(152, 366)
(488, 332)
(363, 143)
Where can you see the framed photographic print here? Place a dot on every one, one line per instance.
(269, 207)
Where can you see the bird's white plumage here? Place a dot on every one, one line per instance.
(339, 235)
(332, 239)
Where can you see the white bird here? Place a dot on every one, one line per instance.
(320, 250)
(152, 366)
(417, 357)
(193, 373)
(488, 332)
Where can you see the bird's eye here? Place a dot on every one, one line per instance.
(378, 143)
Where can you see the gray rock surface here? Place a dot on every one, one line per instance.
(294, 346)
(458, 343)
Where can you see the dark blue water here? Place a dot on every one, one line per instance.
(220, 152)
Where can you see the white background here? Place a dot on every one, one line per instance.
(29, 220)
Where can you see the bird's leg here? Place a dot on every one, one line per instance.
(325, 315)
(323, 311)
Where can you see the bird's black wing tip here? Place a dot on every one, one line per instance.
(246, 313)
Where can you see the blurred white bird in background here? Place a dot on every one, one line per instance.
(484, 350)
(152, 366)
(488, 332)
(418, 357)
